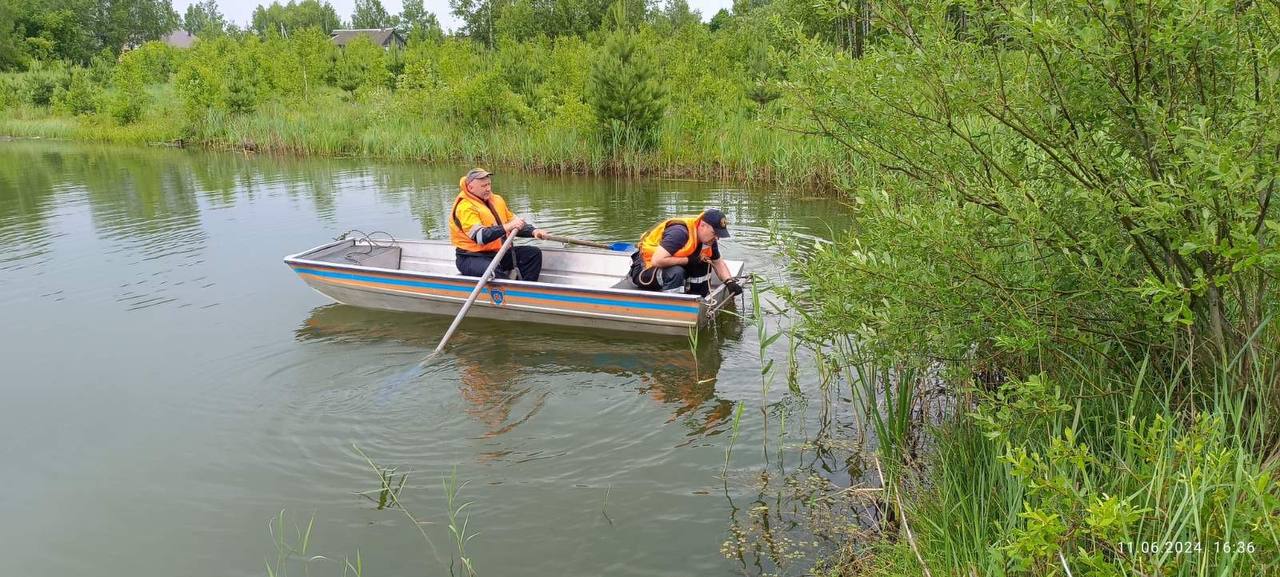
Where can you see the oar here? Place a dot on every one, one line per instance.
(488, 274)
(484, 279)
(618, 246)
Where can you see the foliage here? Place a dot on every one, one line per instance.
(530, 99)
(130, 23)
(203, 18)
(130, 97)
(155, 60)
(46, 30)
(81, 95)
(370, 14)
(38, 85)
(361, 64)
(75, 30)
(11, 56)
(489, 21)
(295, 16)
(419, 25)
(624, 87)
(1043, 196)
(314, 56)
(1024, 200)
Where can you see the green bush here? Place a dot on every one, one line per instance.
(483, 99)
(81, 96)
(130, 98)
(155, 60)
(40, 83)
(361, 64)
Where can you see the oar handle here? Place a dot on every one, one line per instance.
(484, 279)
(568, 240)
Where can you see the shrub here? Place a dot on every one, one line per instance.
(40, 83)
(81, 96)
(130, 98)
(155, 61)
(361, 63)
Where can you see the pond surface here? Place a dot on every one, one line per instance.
(170, 387)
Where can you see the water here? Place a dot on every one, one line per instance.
(169, 386)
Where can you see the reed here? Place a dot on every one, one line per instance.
(287, 547)
(457, 522)
(1129, 467)
(736, 148)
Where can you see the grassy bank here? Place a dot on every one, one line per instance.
(1099, 469)
(652, 99)
(331, 125)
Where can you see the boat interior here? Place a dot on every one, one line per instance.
(559, 265)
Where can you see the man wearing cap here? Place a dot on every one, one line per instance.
(479, 223)
(679, 253)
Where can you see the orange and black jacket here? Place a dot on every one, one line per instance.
(653, 239)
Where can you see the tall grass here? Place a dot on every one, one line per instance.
(1105, 469)
(381, 126)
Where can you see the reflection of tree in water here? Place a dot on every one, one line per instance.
(134, 194)
(491, 360)
(27, 182)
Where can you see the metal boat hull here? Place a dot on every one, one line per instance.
(584, 288)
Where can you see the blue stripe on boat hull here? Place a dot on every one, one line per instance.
(509, 291)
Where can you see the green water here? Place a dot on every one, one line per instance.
(169, 386)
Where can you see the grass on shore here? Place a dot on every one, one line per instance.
(378, 126)
(1101, 470)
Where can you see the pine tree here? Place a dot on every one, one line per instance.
(624, 88)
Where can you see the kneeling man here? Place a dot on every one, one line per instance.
(678, 255)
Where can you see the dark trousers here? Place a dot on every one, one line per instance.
(528, 259)
(672, 278)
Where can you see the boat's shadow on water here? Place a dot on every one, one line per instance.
(485, 357)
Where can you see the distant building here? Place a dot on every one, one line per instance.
(179, 39)
(387, 38)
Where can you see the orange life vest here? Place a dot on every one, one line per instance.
(653, 239)
(468, 212)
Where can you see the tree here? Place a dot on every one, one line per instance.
(48, 29)
(295, 16)
(623, 86)
(315, 58)
(418, 24)
(720, 20)
(478, 18)
(128, 23)
(10, 55)
(361, 64)
(677, 15)
(761, 74)
(370, 14)
(203, 18)
(130, 97)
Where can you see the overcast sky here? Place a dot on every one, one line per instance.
(241, 11)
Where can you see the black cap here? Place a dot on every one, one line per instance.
(718, 221)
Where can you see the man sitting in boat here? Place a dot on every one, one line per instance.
(678, 254)
(479, 223)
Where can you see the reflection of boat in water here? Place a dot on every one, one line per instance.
(583, 288)
(490, 367)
